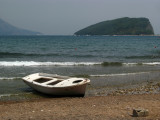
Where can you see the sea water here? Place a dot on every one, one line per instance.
(114, 58)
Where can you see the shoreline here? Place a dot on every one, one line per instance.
(100, 86)
(116, 35)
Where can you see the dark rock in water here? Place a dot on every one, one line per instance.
(140, 112)
(121, 26)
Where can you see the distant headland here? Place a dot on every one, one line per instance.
(8, 29)
(120, 26)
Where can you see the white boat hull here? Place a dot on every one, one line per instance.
(71, 91)
(67, 87)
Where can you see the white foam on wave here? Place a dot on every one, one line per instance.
(153, 63)
(120, 74)
(150, 63)
(130, 64)
(5, 95)
(33, 63)
(9, 78)
(8, 95)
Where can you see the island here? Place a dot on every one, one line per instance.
(120, 26)
(8, 29)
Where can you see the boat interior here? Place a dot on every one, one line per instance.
(47, 81)
(53, 81)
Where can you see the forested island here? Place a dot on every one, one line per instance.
(120, 26)
(8, 29)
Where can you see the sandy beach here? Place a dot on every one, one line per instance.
(110, 107)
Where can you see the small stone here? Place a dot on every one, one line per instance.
(140, 112)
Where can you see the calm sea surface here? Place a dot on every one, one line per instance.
(96, 56)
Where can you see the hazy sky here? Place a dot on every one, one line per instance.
(64, 17)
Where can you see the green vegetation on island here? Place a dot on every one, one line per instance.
(8, 29)
(121, 26)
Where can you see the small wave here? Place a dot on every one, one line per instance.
(153, 63)
(9, 95)
(105, 64)
(6, 95)
(9, 78)
(82, 56)
(121, 74)
(143, 57)
(111, 64)
(8, 53)
(33, 63)
(11, 55)
(150, 63)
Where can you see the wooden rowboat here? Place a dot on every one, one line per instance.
(57, 85)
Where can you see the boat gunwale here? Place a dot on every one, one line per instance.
(45, 84)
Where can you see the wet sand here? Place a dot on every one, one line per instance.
(88, 108)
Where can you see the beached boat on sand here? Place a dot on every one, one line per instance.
(57, 85)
